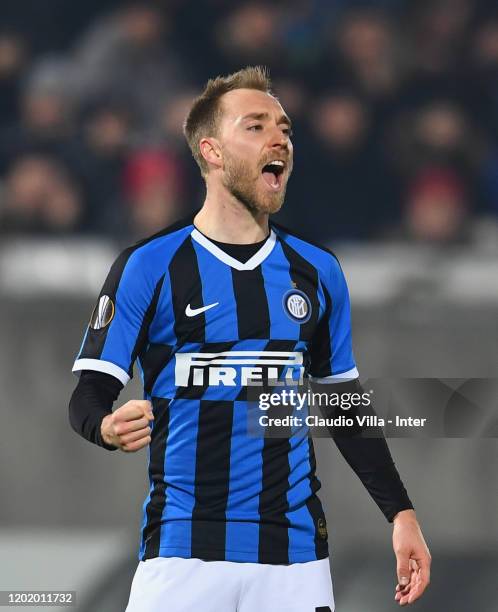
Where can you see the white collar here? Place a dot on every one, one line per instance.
(250, 264)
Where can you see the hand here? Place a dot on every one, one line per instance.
(127, 428)
(413, 558)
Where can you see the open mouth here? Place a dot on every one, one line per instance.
(273, 173)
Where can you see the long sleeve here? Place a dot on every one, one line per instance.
(333, 369)
(367, 453)
(90, 402)
(371, 461)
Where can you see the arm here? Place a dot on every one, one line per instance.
(371, 461)
(366, 451)
(332, 361)
(368, 455)
(91, 416)
(115, 336)
(91, 401)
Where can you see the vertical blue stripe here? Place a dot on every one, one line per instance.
(217, 286)
(141, 372)
(342, 358)
(133, 297)
(144, 507)
(246, 469)
(277, 280)
(83, 343)
(179, 474)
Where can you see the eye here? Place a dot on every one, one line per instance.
(256, 127)
(288, 132)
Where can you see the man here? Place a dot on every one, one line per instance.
(232, 522)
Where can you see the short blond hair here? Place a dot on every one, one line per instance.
(205, 113)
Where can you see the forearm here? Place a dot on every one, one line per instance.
(91, 401)
(371, 461)
(366, 451)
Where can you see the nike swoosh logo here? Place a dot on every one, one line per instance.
(192, 312)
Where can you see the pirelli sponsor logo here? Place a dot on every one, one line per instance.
(239, 368)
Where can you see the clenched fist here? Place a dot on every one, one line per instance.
(127, 428)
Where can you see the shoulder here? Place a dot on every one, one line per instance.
(318, 255)
(159, 248)
(148, 259)
(168, 240)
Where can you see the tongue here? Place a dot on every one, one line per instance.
(271, 179)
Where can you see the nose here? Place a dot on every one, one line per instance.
(279, 139)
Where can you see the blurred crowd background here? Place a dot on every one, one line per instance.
(395, 111)
(395, 106)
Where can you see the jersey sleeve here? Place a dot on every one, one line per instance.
(118, 328)
(332, 357)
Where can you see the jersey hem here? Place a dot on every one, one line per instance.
(276, 558)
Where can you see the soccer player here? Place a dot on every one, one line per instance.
(207, 307)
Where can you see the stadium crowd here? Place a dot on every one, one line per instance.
(394, 105)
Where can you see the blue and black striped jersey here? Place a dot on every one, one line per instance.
(203, 326)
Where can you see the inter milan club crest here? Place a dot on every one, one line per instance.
(103, 313)
(297, 306)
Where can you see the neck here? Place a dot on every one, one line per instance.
(225, 219)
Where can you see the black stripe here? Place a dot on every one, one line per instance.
(212, 477)
(321, 348)
(273, 505)
(305, 278)
(206, 360)
(152, 530)
(186, 288)
(281, 229)
(153, 361)
(253, 314)
(141, 342)
(314, 506)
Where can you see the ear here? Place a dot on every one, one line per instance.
(211, 151)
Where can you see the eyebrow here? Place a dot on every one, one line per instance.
(260, 116)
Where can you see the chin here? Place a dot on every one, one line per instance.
(272, 205)
(257, 201)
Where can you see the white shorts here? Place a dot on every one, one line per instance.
(174, 584)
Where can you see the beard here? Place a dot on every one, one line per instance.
(244, 185)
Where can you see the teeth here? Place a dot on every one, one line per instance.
(277, 162)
